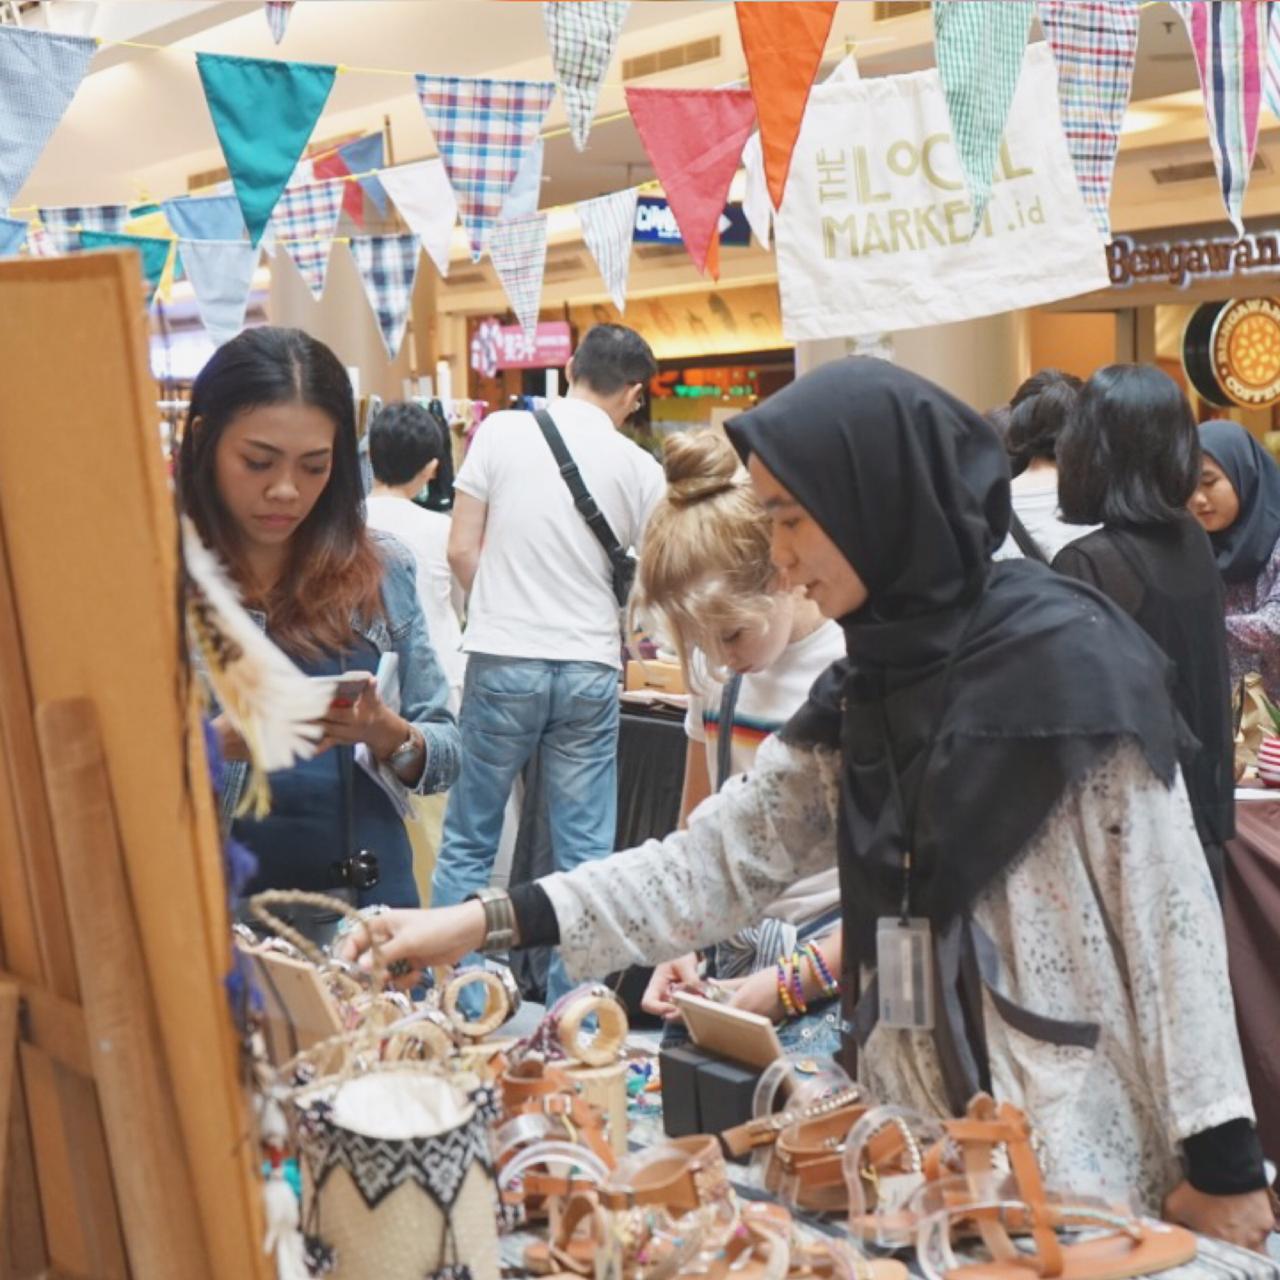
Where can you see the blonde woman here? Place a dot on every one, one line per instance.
(751, 646)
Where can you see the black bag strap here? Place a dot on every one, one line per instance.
(582, 498)
(1023, 539)
(724, 742)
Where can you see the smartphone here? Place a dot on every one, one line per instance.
(346, 688)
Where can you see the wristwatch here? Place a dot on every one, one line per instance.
(500, 933)
(406, 751)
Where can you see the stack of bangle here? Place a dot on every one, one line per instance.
(791, 982)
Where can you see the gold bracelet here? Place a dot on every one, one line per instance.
(605, 1046)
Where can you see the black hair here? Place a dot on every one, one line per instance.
(611, 357)
(998, 419)
(403, 439)
(334, 571)
(1130, 453)
(1037, 414)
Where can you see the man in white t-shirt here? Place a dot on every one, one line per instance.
(543, 625)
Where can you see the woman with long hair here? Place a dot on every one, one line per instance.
(268, 473)
(995, 758)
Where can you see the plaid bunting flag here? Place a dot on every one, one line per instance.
(64, 221)
(519, 252)
(1094, 43)
(13, 235)
(582, 35)
(304, 221)
(1230, 44)
(388, 267)
(483, 128)
(278, 12)
(979, 52)
(608, 223)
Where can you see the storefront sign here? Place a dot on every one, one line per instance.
(551, 347)
(873, 234)
(1231, 352)
(1180, 262)
(656, 224)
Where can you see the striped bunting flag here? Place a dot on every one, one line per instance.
(979, 51)
(608, 223)
(519, 252)
(1094, 43)
(278, 12)
(1230, 44)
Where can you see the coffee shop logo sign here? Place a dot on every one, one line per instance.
(1179, 262)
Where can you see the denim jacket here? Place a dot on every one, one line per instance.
(424, 692)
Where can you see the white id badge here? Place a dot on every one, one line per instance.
(904, 962)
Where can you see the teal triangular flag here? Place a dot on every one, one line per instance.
(264, 112)
(153, 250)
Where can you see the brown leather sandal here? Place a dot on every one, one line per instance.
(808, 1160)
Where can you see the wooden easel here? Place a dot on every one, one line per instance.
(123, 1124)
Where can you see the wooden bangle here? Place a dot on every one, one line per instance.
(497, 1003)
(605, 1046)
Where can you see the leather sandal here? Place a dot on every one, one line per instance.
(576, 1236)
(808, 1160)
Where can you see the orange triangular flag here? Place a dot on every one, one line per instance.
(694, 138)
(784, 41)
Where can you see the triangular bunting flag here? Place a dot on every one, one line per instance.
(526, 190)
(1094, 46)
(206, 217)
(608, 223)
(1230, 43)
(62, 222)
(784, 42)
(153, 252)
(364, 155)
(582, 35)
(694, 138)
(221, 274)
(278, 12)
(483, 128)
(1271, 84)
(388, 267)
(264, 112)
(39, 75)
(150, 220)
(305, 221)
(422, 193)
(756, 204)
(519, 252)
(13, 235)
(979, 50)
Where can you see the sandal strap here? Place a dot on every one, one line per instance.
(681, 1184)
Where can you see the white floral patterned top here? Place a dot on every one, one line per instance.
(1109, 917)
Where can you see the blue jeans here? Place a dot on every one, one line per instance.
(512, 707)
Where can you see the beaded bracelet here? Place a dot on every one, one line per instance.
(797, 984)
(784, 990)
(821, 972)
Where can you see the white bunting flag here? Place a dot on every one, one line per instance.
(608, 224)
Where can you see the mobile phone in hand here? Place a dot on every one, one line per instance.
(347, 688)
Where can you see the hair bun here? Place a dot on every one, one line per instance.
(699, 465)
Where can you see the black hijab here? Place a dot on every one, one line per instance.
(998, 685)
(1244, 549)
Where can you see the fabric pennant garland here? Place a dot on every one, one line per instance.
(206, 217)
(608, 224)
(388, 267)
(756, 205)
(264, 112)
(519, 252)
(582, 35)
(526, 190)
(1230, 43)
(483, 129)
(1271, 84)
(363, 156)
(784, 41)
(422, 193)
(39, 75)
(694, 138)
(221, 274)
(305, 222)
(152, 250)
(278, 12)
(979, 52)
(1094, 43)
(62, 222)
(13, 235)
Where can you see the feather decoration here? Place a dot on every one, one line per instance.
(273, 706)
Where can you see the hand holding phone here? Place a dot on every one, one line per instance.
(347, 687)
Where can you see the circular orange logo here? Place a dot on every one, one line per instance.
(1245, 350)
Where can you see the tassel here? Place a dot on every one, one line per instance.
(284, 1236)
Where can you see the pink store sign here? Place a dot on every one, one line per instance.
(551, 347)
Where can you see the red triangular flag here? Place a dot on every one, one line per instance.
(784, 41)
(694, 138)
(333, 165)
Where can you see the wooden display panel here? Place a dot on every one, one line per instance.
(89, 630)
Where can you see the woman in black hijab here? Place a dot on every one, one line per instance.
(1010, 731)
(1238, 502)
